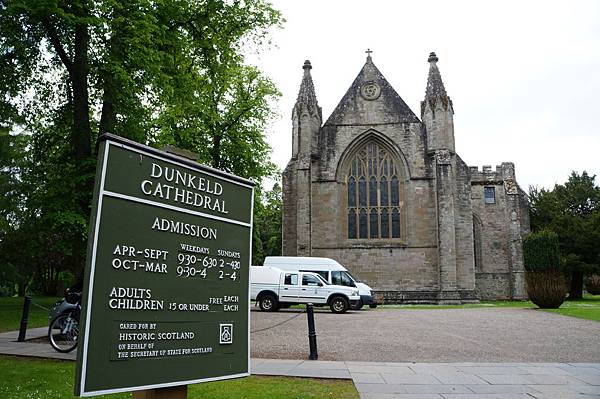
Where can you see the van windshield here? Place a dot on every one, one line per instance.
(352, 277)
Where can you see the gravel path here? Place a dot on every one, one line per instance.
(449, 335)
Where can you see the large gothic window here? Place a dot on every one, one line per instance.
(374, 205)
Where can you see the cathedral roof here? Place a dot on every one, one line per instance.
(371, 100)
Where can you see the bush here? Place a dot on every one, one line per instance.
(7, 290)
(546, 285)
(541, 251)
(592, 284)
(546, 289)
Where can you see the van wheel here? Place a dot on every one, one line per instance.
(268, 303)
(339, 304)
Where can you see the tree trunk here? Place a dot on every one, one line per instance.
(21, 289)
(81, 133)
(22, 286)
(576, 291)
(108, 118)
(216, 151)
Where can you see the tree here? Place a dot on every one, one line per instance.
(166, 72)
(267, 225)
(44, 231)
(572, 210)
(545, 280)
(157, 72)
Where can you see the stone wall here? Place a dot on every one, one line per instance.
(465, 263)
(500, 275)
(289, 210)
(409, 263)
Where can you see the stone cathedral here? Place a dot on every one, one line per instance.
(386, 194)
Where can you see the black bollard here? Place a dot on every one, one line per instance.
(24, 318)
(312, 335)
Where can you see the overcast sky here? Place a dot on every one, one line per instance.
(524, 76)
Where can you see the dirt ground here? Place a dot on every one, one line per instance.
(432, 335)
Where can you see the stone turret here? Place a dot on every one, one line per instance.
(297, 176)
(437, 116)
(306, 116)
(437, 111)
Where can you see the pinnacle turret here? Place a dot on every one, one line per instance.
(435, 86)
(306, 95)
(437, 110)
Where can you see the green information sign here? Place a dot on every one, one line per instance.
(166, 284)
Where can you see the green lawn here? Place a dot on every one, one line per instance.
(34, 378)
(12, 308)
(586, 308)
(482, 304)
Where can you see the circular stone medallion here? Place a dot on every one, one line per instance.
(370, 91)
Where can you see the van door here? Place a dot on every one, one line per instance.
(312, 290)
(290, 288)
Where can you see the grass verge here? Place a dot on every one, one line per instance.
(35, 378)
(586, 308)
(12, 308)
(482, 304)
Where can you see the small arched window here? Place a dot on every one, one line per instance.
(374, 205)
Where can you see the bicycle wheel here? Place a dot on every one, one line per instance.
(63, 332)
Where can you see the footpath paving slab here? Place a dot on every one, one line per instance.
(390, 380)
(516, 380)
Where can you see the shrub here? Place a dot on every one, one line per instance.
(592, 284)
(546, 285)
(541, 251)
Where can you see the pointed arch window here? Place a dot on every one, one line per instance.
(374, 202)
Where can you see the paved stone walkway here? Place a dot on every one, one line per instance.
(378, 380)
(383, 380)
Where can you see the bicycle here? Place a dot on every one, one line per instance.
(64, 329)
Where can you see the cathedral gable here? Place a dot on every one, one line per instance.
(371, 100)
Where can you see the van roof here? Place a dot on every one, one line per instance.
(303, 261)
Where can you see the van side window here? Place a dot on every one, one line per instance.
(290, 279)
(336, 278)
(307, 279)
(347, 281)
(341, 278)
(323, 273)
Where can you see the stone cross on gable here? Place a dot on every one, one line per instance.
(369, 51)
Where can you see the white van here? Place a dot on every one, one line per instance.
(329, 269)
(273, 288)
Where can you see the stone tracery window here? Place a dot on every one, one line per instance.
(374, 204)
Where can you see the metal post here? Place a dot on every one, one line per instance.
(24, 318)
(312, 336)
